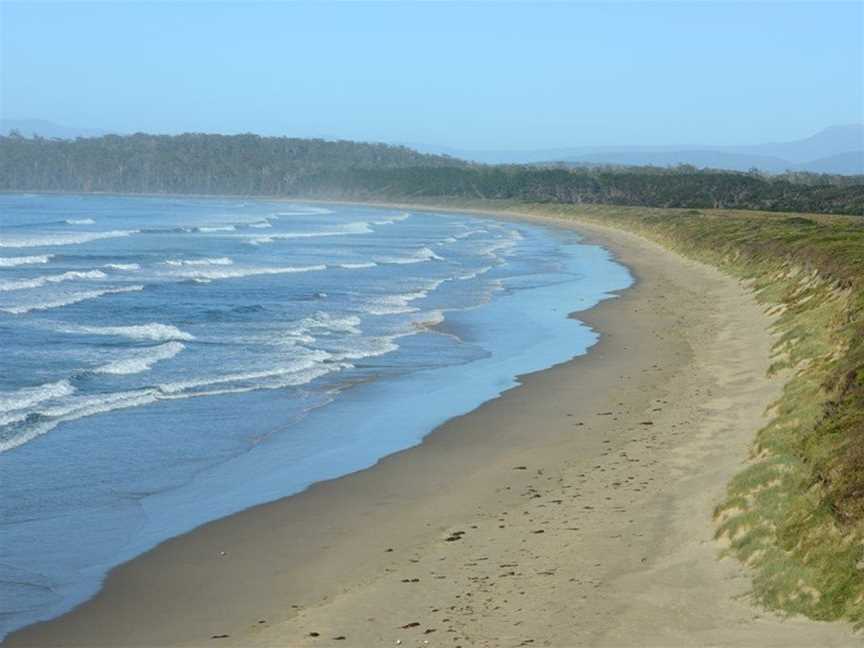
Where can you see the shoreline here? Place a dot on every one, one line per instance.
(456, 480)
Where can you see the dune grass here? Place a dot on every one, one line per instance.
(795, 511)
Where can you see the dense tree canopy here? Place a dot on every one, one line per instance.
(278, 166)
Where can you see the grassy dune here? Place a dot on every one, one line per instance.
(795, 512)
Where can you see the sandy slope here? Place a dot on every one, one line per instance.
(573, 511)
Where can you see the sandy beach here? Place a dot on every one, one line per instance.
(575, 510)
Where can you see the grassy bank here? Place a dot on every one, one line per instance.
(795, 512)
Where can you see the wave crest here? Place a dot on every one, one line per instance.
(72, 298)
(51, 240)
(11, 262)
(37, 282)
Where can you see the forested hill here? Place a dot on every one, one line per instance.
(191, 163)
(270, 166)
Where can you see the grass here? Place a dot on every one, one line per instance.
(795, 512)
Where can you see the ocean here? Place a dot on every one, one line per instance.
(169, 361)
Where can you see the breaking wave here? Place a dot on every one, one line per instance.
(11, 262)
(140, 360)
(209, 274)
(421, 255)
(37, 282)
(152, 331)
(50, 240)
(220, 261)
(66, 300)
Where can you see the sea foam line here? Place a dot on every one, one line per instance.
(74, 298)
(28, 396)
(37, 282)
(51, 240)
(215, 228)
(358, 266)
(152, 331)
(236, 273)
(140, 360)
(360, 227)
(11, 262)
(394, 304)
(220, 261)
(421, 255)
(76, 407)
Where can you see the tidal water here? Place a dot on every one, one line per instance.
(165, 362)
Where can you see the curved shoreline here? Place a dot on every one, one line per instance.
(682, 334)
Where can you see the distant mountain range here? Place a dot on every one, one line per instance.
(836, 149)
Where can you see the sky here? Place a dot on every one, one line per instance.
(481, 75)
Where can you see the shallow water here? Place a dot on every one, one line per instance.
(170, 361)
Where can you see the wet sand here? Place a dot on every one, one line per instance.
(575, 510)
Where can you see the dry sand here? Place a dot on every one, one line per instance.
(575, 510)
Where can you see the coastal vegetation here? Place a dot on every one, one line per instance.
(278, 166)
(795, 512)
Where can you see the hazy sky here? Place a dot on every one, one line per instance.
(478, 75)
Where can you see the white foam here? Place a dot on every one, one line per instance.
(11, 262)
(303, 210)
(312, 359)
(80, 221)
(260, 240)
(216, 228)
(36, 282)
(235, 273)
(358, 266)
(152, 331)
(357, 348)
(472, 232)
(392, 220)
(66, 300)
(261, 225)
(29, 396)
(360, 227)
(490, 249)
(79, 407)
(220, 261)
(473, 275)
(140, 360)
(122, 266)
(50, 240)
(347, 324)
(394, 304)
(420, 256)
(13, 417)
(76, 407)
(428, 319)
(68, 406)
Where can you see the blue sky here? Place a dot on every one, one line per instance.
(513, 75)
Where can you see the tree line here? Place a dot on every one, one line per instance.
(279, 166)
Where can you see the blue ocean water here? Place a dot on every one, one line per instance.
(169, 361)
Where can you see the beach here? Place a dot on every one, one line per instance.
(574, 510)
